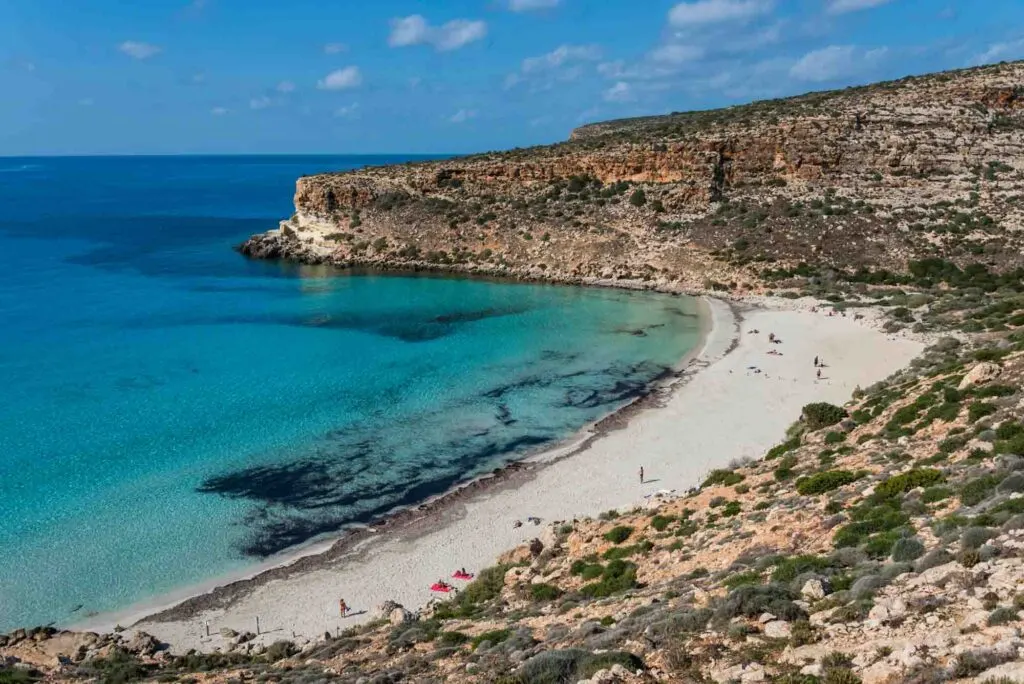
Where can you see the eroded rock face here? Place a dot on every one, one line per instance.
(981, 374)
(567, 212)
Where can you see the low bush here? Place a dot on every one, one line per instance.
(571, 665)
(912, 479)
(544, 592)
(723, 477)
(751, 601)
(789, 569)
(494, 636)
(825, 481)
(907, 549)
(616, 577)
(1002, 616)
(660, 522)
(822, 414)
(780, 449)
(977, 490)
(618, 534)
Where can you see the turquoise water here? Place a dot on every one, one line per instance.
(172, 412)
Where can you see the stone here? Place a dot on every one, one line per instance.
(1013, 672)
(536, 546)
(144, 644)
(766, 618)
(384, 610)
(400, 616)
(777, 629)
(984, 372)
(228, 633)
(814, 590)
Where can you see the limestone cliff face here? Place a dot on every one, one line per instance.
(571, 211)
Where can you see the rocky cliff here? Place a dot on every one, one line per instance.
(874, 176)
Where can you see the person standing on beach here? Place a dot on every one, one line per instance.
(641, 474)
(815, 361)
(342, 607)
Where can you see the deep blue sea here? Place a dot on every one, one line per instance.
(171, 412)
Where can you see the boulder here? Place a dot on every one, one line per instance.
(228, 633)
(815, 589)
(400, 616)
(777, 629)
(1013, 672)
(384, 610)
(536, 546)
(984, 372)
(144, 644)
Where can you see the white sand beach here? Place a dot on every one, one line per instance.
(721, 412)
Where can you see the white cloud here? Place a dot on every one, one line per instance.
(717, 11)
(348, 111)
(137, 50)
(218, 111)
(341, 79)
(285, 87)
(261, 102)
(843, 6)
(559, 56)
(529, 5)
(462, 116)
(835, 61)
(998, 52)
(620, 92)
(334, 48)
(677, 54)
(415, 30)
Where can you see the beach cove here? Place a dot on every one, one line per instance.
(732, 401)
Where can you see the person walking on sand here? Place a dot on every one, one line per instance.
(342, 607)
(641, 474)
(815, 361)
(819, 374)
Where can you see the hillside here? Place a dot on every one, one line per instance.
(872, 177)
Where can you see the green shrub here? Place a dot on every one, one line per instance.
(1002, 616)
(722, 477)
(780, 449)
(570, 665)
(544, 592)
(494, 636)
(638, 198)
(912, 479)
(618, 534)
(907, 549)
(660, 522)
(742, 578)
(822, 414)
(753, 600)
(789, 569)
(978, 489)
(835, 437)
(979, 410)
(732, 508)
(935, 494)
(617, 576)
(825, 481)
(452, 638)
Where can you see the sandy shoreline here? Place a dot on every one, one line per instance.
(715, 410)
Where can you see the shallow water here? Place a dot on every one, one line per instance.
(171, 411)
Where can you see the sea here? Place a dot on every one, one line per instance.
(172, 412)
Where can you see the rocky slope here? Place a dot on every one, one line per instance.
(866, 177)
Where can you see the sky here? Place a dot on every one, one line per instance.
(441, 76)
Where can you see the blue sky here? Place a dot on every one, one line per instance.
(393, 76)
